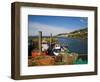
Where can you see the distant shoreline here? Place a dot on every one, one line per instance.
(73, 38)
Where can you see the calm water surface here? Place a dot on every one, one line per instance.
(75, 45)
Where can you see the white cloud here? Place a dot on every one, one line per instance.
(34, 27)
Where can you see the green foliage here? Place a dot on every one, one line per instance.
(79, 61)
(44, 38)
(34, 63)
(60, 63)
(81, 34)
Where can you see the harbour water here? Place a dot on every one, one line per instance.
(79, 46)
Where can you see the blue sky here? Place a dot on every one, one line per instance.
(55, 24)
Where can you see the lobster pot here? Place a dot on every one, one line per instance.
(69, 58)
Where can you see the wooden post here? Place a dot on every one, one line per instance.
(50, 39)
(40, 42)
